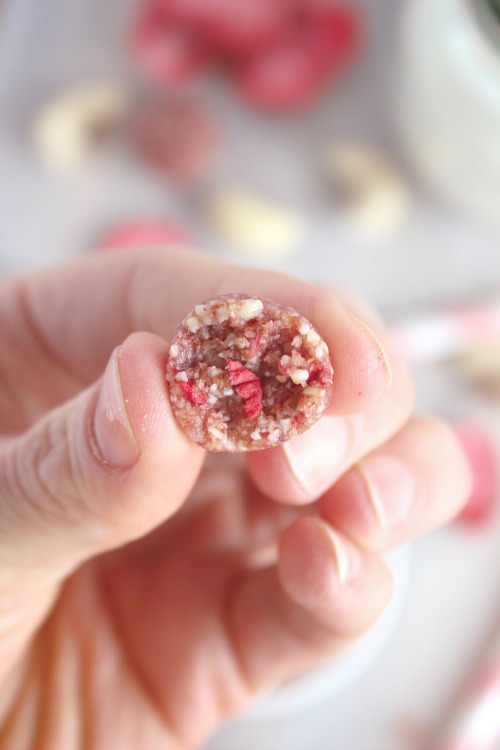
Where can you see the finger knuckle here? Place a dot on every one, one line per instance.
(45, 472)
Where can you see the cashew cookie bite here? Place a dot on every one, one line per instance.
(245, 374)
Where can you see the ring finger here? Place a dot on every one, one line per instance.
(416, 482)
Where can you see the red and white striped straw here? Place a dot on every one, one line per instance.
(447, 333)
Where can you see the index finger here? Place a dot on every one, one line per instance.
(74, 315)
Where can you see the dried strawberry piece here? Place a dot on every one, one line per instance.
(238, 373)
(247, 385)
(256, 345)
(314, 372)
(232, 26)
(281, 77)
(253, 404)
(289, 73)
(332, 32)
(192, 393)
(167, 52)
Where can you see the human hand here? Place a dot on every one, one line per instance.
(132, 616)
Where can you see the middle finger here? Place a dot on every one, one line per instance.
(301, 470)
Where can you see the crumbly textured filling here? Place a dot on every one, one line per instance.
(246, 374)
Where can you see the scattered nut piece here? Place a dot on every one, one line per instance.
(375, 196)
(70, 126)
(254, 224)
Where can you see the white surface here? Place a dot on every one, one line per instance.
(440, 254)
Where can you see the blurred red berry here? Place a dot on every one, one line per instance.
(164, 50)
(283, 77)
(282, 51)
(332, 32)
(316, 45)
(144, 233)
(232, 26)
(478, 448)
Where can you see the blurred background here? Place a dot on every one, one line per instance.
(353, 143)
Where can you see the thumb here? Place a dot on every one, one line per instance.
(99, 471)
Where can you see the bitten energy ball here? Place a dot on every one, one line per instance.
(178, 138)
(246, 374)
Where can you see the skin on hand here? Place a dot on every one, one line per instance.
(147, 594)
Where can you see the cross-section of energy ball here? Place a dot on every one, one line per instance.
(246, 373)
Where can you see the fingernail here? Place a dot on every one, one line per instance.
(115, 440)
(390, 489)
(382, 356)
(359, 305)
(318, 456)
(347, 559)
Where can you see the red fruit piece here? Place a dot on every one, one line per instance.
(166, 52)
(192, 393)
(478, 448)
(232, 26)
(247, 385)
(280, 78)
(334, 32)
(144, 232)
(256, 345)
(314, 47)
(313, 373)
